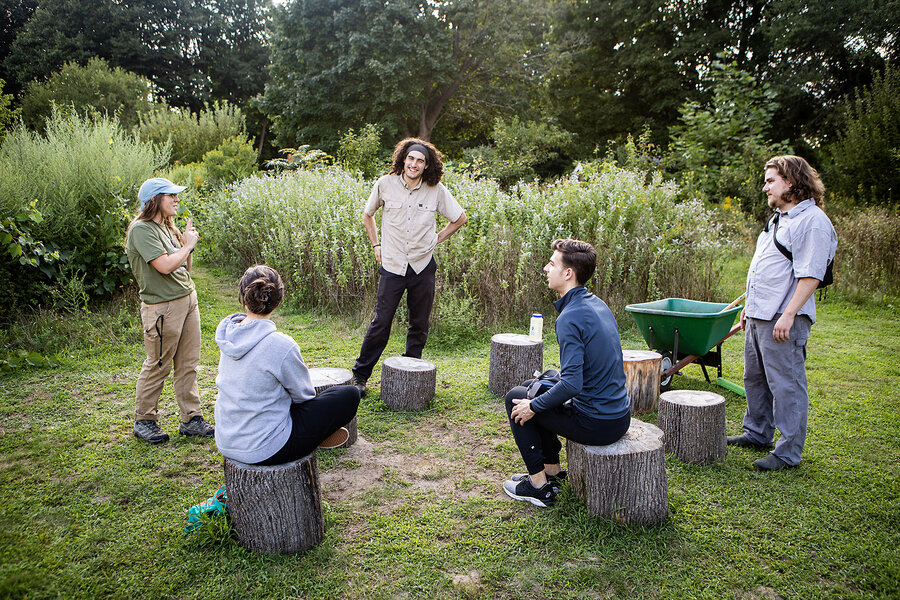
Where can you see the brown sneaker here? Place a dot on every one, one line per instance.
(335, 439)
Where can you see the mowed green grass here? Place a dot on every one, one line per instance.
(88, 511)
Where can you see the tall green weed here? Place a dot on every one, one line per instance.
(192, 135)
(308, 226)
(82, 175)
(866, 262)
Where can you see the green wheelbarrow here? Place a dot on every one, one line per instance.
(688, 331)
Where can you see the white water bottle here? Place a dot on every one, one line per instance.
(536, 332)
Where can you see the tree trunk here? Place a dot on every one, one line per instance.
(278, 508)
(624, 481)
(326, 377)
(694, 425)
(642, 379)
(514, 358)
(407, 383)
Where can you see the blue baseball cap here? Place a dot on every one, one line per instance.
(157, 185)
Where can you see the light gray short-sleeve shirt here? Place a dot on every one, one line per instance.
(806, 231)
(408, 235)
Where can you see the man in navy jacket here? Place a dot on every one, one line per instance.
(589, 405)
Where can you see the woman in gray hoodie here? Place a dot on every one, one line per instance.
(267, 411)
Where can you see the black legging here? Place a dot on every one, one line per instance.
(314, 420)
(537, 439)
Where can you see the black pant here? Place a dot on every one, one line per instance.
(419, 289)
(314, 420)
(537, 439)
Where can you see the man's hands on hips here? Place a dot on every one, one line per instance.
(521, 412)
(378, 254)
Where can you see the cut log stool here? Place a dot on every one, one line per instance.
(277, 508)
(514, 358)
(694, 425)
(624, 481)
(642, 379)
(407, 383)
(326, 377)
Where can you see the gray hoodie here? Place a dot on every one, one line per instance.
(260, 373)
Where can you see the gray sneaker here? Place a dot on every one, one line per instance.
(555, 481)
(149, 431)
(197, 426)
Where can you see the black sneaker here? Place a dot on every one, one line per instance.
(555, 481)
(744, 441)
(149, 431)
(360, 385)
(197, 426)
(524, 491)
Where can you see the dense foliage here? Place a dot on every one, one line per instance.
(82, 175)
(93, 88)
(191, 135)
(307, 225)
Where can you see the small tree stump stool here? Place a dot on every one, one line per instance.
(694, 425)
(624, 481)
(277, 508)
(407, 383)
(326, 377)
(514, 358)
(642, 379)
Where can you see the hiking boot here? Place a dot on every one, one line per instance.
(360, 385)
(335, 439)
(555, 481)
(526, 492)
(197, 426)
(149, 431)
(771, 463)
(745, 442)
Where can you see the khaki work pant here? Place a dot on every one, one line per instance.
(179, 323)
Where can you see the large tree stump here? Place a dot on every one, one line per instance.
(407, 383)
(642, 379)
(277, 508)
(624, 481)
(694, 425)
(326, 377)
(514, 358)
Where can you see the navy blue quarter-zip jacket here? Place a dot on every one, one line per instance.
(590, 356)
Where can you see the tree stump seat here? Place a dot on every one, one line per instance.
(624, 481)
(275, 509)
(642, 379)
(514, 358)
(326, 377)
(694, 425)
(407, 383)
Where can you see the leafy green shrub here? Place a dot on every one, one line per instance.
(91, 89)
(191, 136)
(308, 226)
(7, 115)
(233, 159)
(361, 152)
(521, 151)
(866, 262)
(27, 265)
(864, 162)
(720, 149)
(83, 175)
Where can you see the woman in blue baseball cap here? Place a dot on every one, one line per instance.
(160, 259)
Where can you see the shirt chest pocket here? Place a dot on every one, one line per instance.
(427, 206)
(393, 206)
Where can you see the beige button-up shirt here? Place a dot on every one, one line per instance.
(408, 235)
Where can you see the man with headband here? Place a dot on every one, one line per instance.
(410, 196)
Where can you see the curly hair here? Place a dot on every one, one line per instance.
(261, 289)
(579, 256)
(804, 180)
(434, 168)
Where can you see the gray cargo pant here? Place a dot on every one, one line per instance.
(775, 382)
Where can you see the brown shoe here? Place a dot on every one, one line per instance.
(335, 439)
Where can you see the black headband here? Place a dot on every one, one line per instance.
(420, 148)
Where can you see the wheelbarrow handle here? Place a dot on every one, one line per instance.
(734, 302)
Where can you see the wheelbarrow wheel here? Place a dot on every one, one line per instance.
(665, 381)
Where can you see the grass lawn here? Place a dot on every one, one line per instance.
(415, 510)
